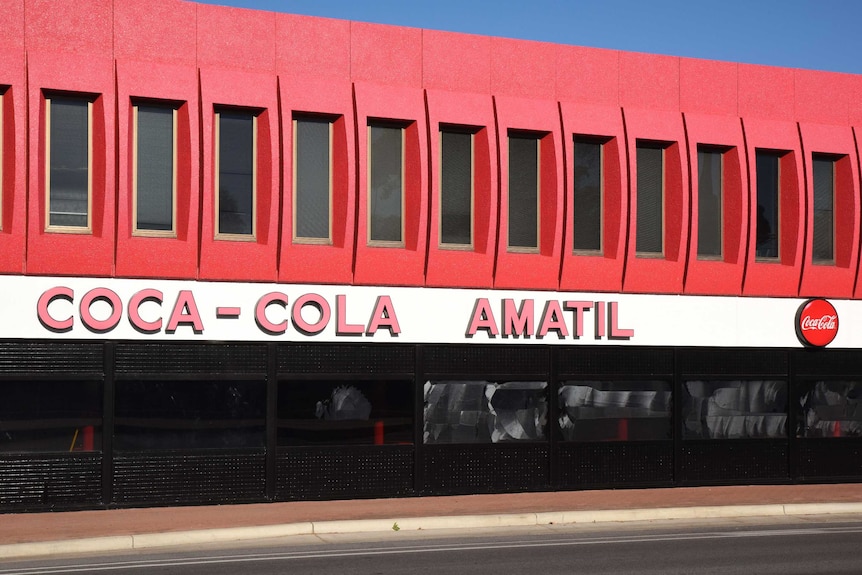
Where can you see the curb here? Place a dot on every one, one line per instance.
(179, 538)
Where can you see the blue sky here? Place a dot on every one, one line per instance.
(815, 34)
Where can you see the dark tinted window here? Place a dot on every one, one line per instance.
(312, 172)
(824, 219)
(342, 412)
(456, 188)
(523, 192)
(709, 202)
(650, 200)
(387, 188)
(830, 409)
(236, 173)
(768, 164)
(155, 168)
(68, 199)
(587, 196)
(166, 414)
(739, 409)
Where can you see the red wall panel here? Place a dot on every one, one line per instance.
(13, 120)
(722, 276)
(588, 75)
(708, 87)
(602, 272)
(456, 62)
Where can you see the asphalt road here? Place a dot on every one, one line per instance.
(730, 547)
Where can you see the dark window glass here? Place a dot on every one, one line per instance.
(155, 168)
(387, 188)
(709, 202)
(485, 412)
(615, 410)
(739, 409)
(41, 416)
(68, 196)
(650, 200)
(830, 409)
(768, 164)
(523, 192)
(342, 412)
(236, 173)
(824, 220)
(587, 197)
(313, 175)
(456, 188)
(167, 414)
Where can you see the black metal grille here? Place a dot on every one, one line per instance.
(486, 360)
(614, 361)
(354, 359)
(344, 472)
(190, 358)
(821, 362)
(44, 481)
(39, 357)
(733, 461)
(742, 362)
(615, 463)
(829, 458)
(172, 478)
(485, 468)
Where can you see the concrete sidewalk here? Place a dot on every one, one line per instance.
(33, 534)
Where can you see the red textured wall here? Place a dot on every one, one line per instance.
(202, 57)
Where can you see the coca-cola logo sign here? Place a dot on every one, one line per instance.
(816, 323)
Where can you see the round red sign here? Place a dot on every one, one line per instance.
(816, 323)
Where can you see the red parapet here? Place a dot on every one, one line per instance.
(13, 142)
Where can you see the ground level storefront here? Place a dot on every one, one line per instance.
(125, 423)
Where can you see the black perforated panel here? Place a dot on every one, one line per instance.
(611, 464)
(355, 359)
(41, 481)
(485, 468)
(733, 461)
(344, 472)
(829, 458)
(486, 360)
(190, 358)
(742, 362)
(825, 362)
(601, 361)
(36, 357)
(205, 477)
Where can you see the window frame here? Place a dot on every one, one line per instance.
(402, 127)
(138, 232)
(721, 151)
(331, 123)
(832, 159)
(600, 141)
(779, 156)
(219, 235)
(66, 229)
(663, 147)
(524, 135)
(463, 130)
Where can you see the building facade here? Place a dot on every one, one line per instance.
(250, 256)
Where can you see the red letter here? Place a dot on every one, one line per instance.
(45, 300)
(552, 319)
(185, 312)
(600, 319)
(322, 306)
(579, 307)
(518, 322)
(613, 318)
(383, 316)
(342, 327)
(106, 295)
(483, 318)
(260, 313)
(134, 308)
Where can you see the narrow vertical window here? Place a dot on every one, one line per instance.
(766, 224)
(523, 193)
(386, 184)
(69, 164)
(236, 144)
(2, 156)
(312, 180)
(824, 217)
(587, 196)
(456, 188)
(650, 200)
(155, 175)
(709, 202)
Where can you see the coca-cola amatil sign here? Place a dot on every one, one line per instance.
(816, 323)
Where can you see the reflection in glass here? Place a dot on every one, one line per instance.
(57, 416)
(615, 410)
(155, 168)
(386, 184)
(831, 409)
(68, 196)
(739, 409)
(767, 204)
(485, 412)
(312, 173)
(153, 414)
(345, 412)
